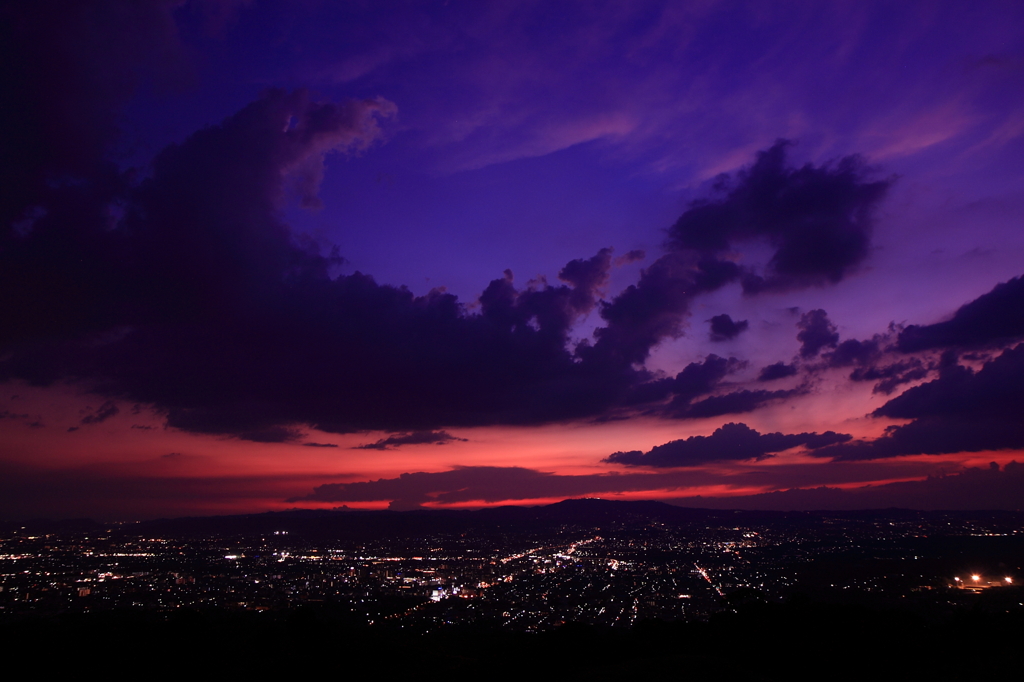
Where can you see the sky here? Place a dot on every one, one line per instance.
(259, 256)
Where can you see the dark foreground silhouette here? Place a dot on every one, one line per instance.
(799, 639)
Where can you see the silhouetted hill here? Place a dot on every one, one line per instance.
(350, 524)
(318, 523)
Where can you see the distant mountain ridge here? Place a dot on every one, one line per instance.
(340, 523)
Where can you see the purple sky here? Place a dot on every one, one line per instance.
(510, 252)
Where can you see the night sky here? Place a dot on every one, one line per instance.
(262, 255)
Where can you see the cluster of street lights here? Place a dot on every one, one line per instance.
(976, 582)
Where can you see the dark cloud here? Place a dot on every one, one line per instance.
(271, 434)
(699, 379)
(198, 300)
(105, 412)
(778, 370)
(500, 484)
(737, 402)
(654, 309)
(852, 352)
(103, 492)
(28, 491)
(818, 219)
(69, 67)
(960, 411)
(467, 484)
(867, 357)
(494, 484)
(889, 377)
(348, 354)
(729, 442)
(724, 328)
(996, 390)
(103, 255)
(995, 317)
(932, 436)
(816, 332)
(320, 445)
(414, 438)
(973, 488)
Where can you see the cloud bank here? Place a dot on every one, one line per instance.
(728, 442)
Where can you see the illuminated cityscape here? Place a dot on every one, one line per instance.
(606, 589)
(631, 564)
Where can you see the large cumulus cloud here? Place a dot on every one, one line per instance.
(201, 302)
(185, 290)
